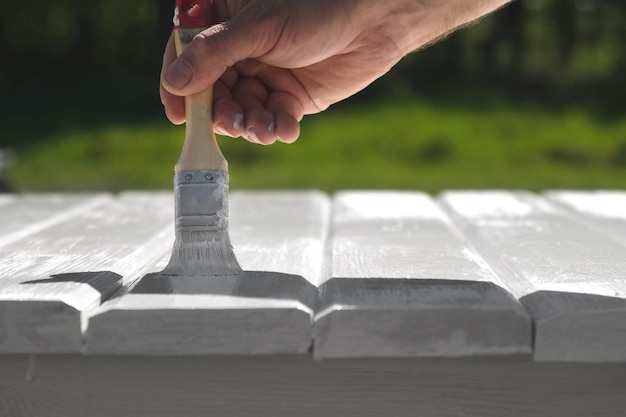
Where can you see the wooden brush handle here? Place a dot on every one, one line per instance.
(200, 150)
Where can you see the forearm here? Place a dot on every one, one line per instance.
(414, 24)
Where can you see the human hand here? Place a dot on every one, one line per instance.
(273, 61)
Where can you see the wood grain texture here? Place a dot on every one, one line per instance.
(31, 213)
(279, 239)
(6, 199)
(295, 385)
(52, 278)
(404, 283)
(281, 231)
(569, 276)
(601, 210)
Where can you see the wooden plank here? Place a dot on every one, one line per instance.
(601, 210)
(279, 239)
(571, 278)
(404, 283)
(51, 279)
(295, 385)
(7, 198)
(28, 214)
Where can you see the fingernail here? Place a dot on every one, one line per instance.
(272, 131)
(178, 75)
(219, 129)
(250, 134)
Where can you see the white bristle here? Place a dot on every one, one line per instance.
(202, 246)
(202, 253)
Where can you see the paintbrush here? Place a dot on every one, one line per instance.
(202, 246)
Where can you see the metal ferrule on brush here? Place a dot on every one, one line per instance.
(201, 200)
(202, 246)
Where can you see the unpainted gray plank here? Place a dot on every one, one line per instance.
(604, 210)
(279, 239)
(570, 277)
(404, 283)
(50, 280)
(295, 385)
(28, 214)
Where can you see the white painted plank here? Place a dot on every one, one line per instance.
(28, 214)
(404, 283)
(279, 239)
(570, 277)
(52, 278)
(7, 198)
(602, 210)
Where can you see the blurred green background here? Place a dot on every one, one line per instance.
(531, 97)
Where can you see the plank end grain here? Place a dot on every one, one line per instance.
(418, 318)
(406, 284)
(258, 313)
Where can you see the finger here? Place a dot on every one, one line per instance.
(214, 50)
(251, 94)
(287, 112)
(227, 113)
(174, 106)
(287, 128)
(277, 79)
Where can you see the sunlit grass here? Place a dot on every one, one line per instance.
(413, 145)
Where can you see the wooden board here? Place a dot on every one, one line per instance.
(279, 239)
(570, 277)
(6, 198)
(601, 210)
(25, 215)
(404, 283)
(54, 275)
(295, 385)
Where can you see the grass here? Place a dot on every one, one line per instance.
(410, 145)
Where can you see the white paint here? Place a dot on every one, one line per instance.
(604, 211)
(238, 121)
(390, 205)
(558, 266)
(279, 238)
(281, 231)
(405, 284)
(176, 20)
(34, 213)
(54, 276)
(404, 280)
(497, 205)
(602, 204)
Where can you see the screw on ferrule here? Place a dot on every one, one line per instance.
(201, 200)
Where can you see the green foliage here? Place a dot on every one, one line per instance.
(409, 145)
(558, 42)
(79, 102)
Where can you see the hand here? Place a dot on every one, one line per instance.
(273, 61)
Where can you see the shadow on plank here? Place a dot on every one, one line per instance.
(251, 284)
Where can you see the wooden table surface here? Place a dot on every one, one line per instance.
(508, 290)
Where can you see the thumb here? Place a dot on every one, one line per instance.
(212, 51)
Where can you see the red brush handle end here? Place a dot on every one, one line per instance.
(192, 14)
